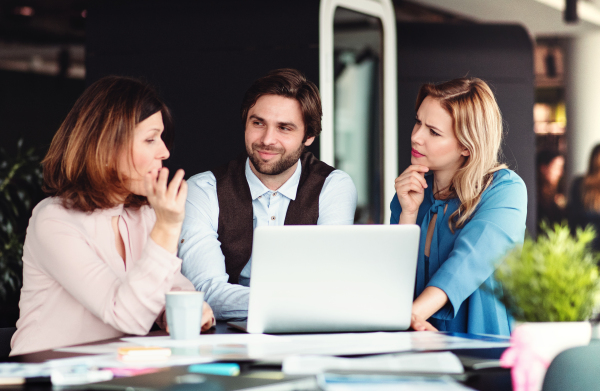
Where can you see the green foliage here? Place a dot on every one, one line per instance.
(551, 279)
(20, 189)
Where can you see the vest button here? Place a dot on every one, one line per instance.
(272, 217)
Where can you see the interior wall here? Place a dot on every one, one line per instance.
(202, 56)
(501, 55)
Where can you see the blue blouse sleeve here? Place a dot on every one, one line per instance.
(396, 210)
(497, 225)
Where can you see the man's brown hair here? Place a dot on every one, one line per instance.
(289, 83)
(81, 166)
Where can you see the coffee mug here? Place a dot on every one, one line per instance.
(184, 314)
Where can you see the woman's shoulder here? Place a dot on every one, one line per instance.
(506, 178)
(53, 208)
(50, 215)
(507, 185)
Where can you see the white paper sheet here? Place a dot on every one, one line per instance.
(332, 382)
(270, 347)
(111, 361)
(208, 339)
(443, 362)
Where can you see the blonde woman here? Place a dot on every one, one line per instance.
(471, 208)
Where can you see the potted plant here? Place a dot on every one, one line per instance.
(551, 287)
(20, 190)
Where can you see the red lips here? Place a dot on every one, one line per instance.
(416, 153)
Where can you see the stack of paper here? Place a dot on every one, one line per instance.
(444, 362)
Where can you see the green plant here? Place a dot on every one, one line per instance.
(20, 189)
(552, 279)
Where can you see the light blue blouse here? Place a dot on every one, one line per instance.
(462, 263)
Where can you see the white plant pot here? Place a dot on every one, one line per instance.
(534, 346)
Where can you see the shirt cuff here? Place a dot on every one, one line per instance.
(158, 253)
(448, 283)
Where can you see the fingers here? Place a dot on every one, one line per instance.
(182, 194)
(419, 324)
(155, 183)
(150, 182)
(414, 172)
(207, 317)
(412, 182)
(161, 184)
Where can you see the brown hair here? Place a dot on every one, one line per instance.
(591, 182)
(478, 127)
(81, 164)
(289, 83)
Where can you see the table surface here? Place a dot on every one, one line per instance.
(494, 379)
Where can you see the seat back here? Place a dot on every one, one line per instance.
(574, 369)
(6, 334)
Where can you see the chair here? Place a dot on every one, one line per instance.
(575, 369)
(6, 334)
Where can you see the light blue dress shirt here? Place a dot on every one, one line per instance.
(199, 246)
(462, 263)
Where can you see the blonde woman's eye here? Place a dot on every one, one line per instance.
(433, 132)
(150, 141)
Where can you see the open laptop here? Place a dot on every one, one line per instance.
(323, 278)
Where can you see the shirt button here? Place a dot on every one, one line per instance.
(259, 196)
(274, 194)
(272, 217)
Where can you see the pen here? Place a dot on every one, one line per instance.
(17, 380)
(223, 369)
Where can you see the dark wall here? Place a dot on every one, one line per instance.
(202, 56)
(502, 55)
(33, 106)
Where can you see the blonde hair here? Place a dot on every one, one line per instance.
(591, 182)
(478, 127)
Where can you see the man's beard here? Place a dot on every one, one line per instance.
(287, 159)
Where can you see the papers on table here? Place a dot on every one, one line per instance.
(260, 346)
(270, 347)
(335, 382)
(235, 347)
(444, 362)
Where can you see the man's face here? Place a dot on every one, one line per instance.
(274, 134)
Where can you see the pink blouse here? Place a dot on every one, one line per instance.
(76, 287)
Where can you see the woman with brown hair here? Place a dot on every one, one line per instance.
(584, 200)
(470, 207)
(100, 253)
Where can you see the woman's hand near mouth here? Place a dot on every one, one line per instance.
(410, 187)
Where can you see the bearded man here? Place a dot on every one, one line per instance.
(275, 182)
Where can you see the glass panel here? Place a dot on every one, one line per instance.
(358, 132)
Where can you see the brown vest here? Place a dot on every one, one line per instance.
(235, 207)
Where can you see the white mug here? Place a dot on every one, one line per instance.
(184, 314)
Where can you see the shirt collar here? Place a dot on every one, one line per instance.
(114, 211)
(288, 189)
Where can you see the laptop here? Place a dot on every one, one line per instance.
(322, 278)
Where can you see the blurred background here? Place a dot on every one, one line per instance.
(541, 57)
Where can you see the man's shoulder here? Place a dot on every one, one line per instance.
(203, 179)
(339, 180)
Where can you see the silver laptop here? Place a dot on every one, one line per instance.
(332, 278)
